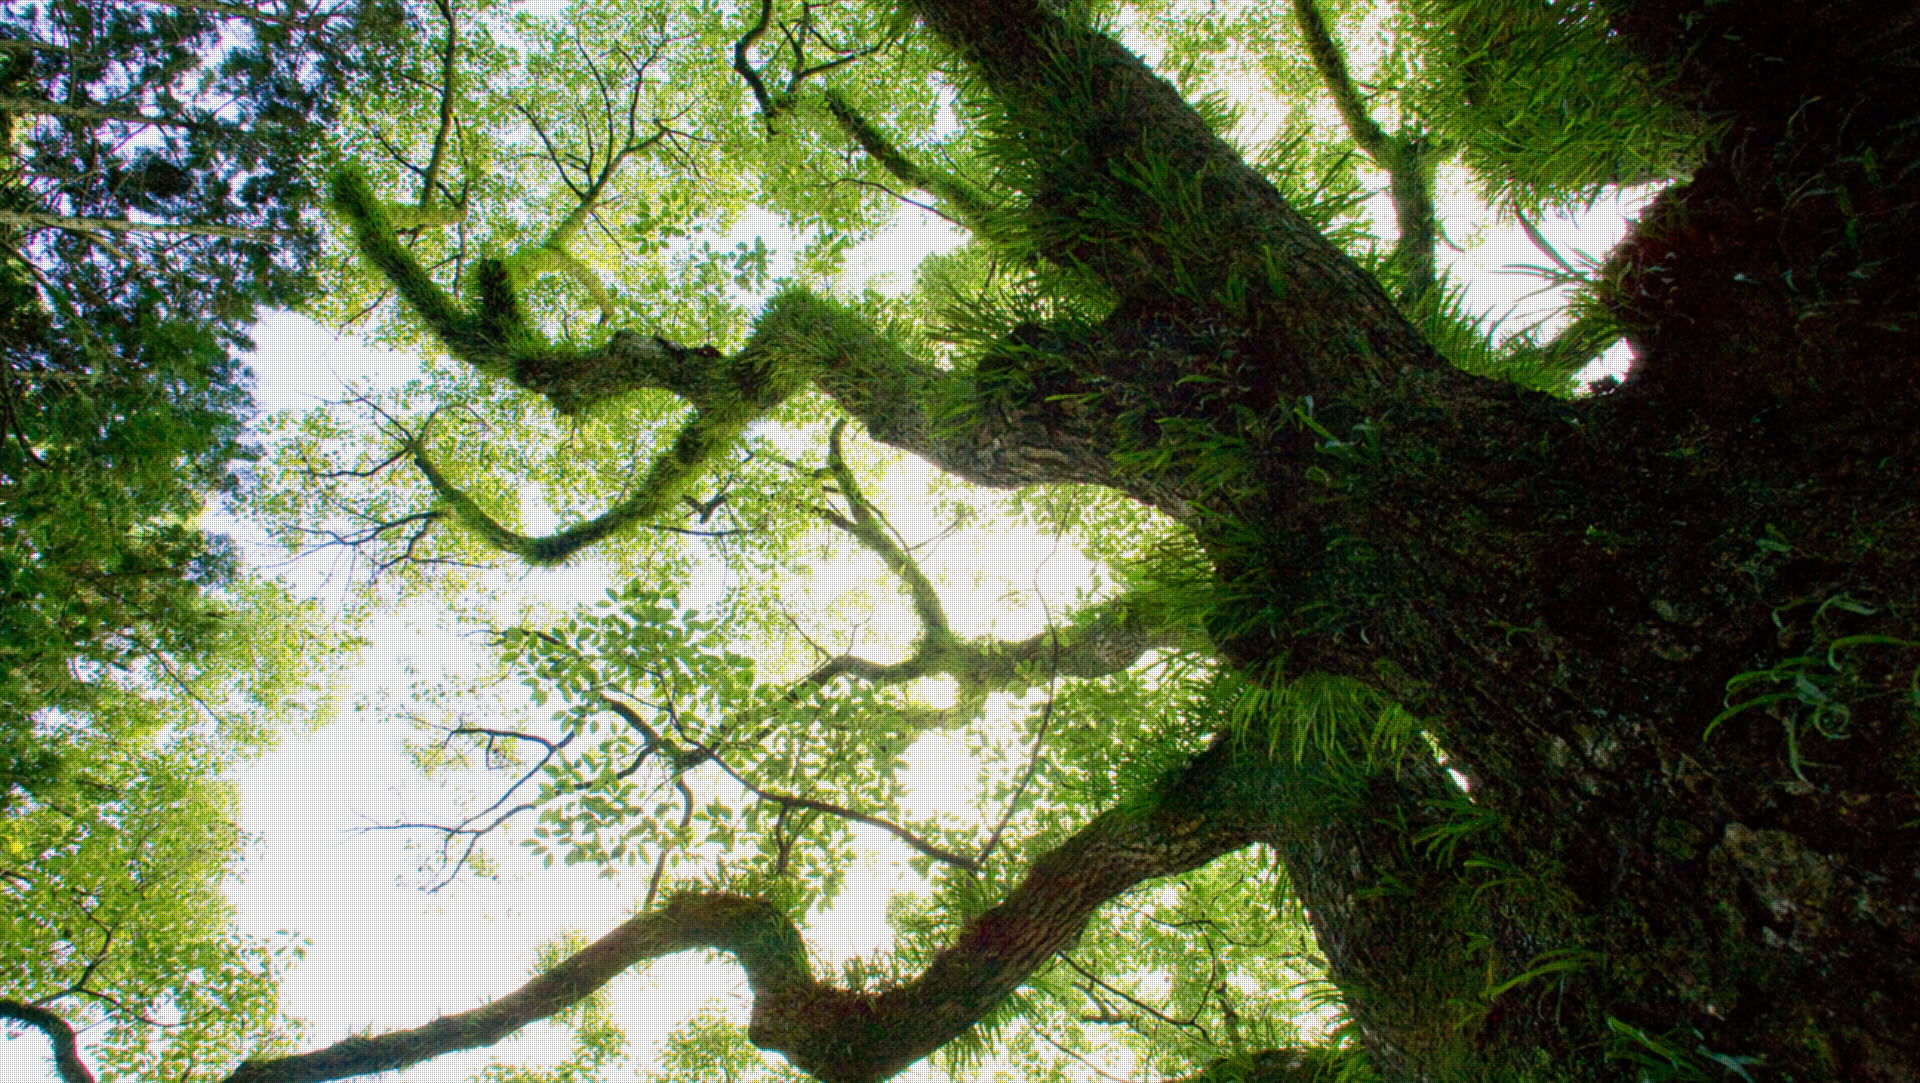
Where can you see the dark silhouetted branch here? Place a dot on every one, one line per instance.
(66, 1053)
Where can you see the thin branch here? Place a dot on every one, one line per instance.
(919, 844)
(1096, 1069)
(1046, 715)
(22, 45)
(873, 531)
(40, 220)
(449, 72)
(672, 474)
(1408, 158)
(743, 64)
(123, 1009)
(660, 860)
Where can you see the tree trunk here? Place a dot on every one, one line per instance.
(1674, 630)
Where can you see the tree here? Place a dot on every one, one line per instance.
(1665, 631)
(115, 921)
(152, 192)
(152, 197)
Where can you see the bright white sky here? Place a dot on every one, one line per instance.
(386, 955)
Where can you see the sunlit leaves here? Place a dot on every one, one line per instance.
(113, 878)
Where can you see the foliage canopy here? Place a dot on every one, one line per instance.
(1532, 736)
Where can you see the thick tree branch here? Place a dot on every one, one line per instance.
(799, 338)
(1331, 62)
(743, 64)
(66, 1053)
(494, 336)
(233, 11)
(1223, 802)
(1127, 181)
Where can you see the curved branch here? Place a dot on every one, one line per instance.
(872, 530)
(672, 475)
(66, 1052)
(743, 64)
(1101, 640)
(1213, 807)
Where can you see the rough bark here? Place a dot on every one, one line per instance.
(1127, 182)
(1576, 596)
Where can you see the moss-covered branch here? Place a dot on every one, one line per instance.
(672, 476)
(798, 339)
